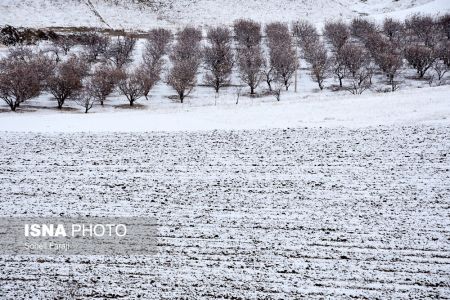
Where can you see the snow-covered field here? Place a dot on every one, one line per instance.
(256, 214)
(411, 106)
(323, 195)
(170, 13)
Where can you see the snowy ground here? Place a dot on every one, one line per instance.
(321, 195)
(419, 106)
(259, 214)
(172, 14)
(324, 194)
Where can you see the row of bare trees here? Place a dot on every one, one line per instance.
(351, 53)
(87, 78)
(361, 48)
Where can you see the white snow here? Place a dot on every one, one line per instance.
(410, 106)
(126, 15)
(322, 195)
(433, 7)
(314, 213)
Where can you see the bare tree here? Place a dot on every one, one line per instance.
(390, 64)
(66, 82)
(218, 58)
(277, 88)
(354, 57)
(251, 62)
(65, 43)
(182, 78)
(338, 66)
(86, 100)
(442, 51)
(131, 86)
(316, 55)
(277, 33)
(285, 62)
(442, 61)
(440, 68)
(356, 62)
(362, 28)
(96, 45)
(149, 76)
(305, 33)
(370, 67)
(423, 29)
(40, 63)
(337, 33)
(420, 58)
(268, 73)
(360, 81)
(282, 54)
(247, 33)
(120, 50)
(103, 82)
(377, 43)
(444, 22)
(22, 75)
(18, 82)
(386, 54)
(157, 45)
(43, 67)
(189, 34)
(55, 51)
(185, 59)
(393, 29)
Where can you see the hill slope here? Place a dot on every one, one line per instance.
(142, 14)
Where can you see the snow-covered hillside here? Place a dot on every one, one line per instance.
(169, 13)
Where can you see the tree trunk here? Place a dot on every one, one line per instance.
(217, 86)
(391, 78)
(252, 90)
(181, 94)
